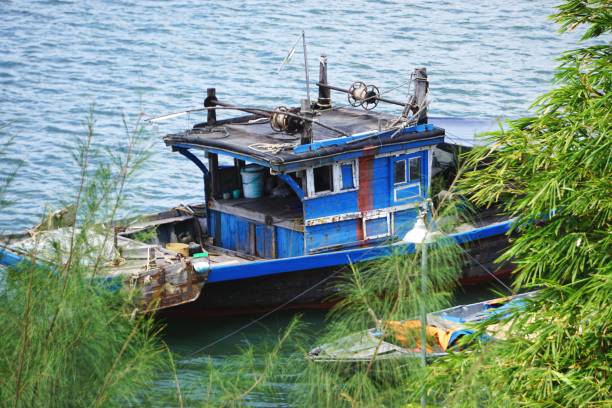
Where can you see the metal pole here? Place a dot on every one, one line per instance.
(380, 98)
(306, 66)
(423, 311)
(307, 130)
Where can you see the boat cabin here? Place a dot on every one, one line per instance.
(313, 179)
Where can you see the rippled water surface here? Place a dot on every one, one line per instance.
(57, 58)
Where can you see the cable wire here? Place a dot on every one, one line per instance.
(276, 309)
(481, 265)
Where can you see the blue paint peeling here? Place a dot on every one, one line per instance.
(236, 233)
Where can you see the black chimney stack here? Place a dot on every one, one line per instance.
(211, 99)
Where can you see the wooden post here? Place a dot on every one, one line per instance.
(239, 165)
(211, 99)
(307, 130)
(324, 101)
(213, 168)
(421, 86)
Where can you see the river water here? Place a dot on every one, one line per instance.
(58, 58)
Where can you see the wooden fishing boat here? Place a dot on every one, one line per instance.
(401, 340)
(291, 196)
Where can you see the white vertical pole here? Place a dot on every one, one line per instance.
(423, 312)
(306, 67)
(423, 309)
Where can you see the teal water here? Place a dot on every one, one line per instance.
(57, 58)
(197, 344)
(484, 59)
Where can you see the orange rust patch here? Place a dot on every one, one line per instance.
(365, 197)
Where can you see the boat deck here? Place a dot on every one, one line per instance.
(285, 212)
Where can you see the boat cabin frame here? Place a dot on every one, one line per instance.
(323, 192)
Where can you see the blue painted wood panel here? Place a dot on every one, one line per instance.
(221, 273)
(230, 232)
(233, 232)
(333, 204)
(328, 235)
(347, 176)
(380, 183)
(407, 193)
(264, 235)
(376, 227)
(289, 242)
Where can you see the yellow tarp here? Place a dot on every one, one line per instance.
(407, 330)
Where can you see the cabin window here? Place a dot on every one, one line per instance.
(323, 180)
(399, 171)
(347, 172)
(415, 169)
(376, 227)
(337, 178)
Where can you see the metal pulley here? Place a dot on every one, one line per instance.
(366, 96)
(283, 120)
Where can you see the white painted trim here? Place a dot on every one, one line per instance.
(309, 182)
(365, 229)
(404, 187)
(355, 215)
(338, 166)
(421, 173)
(336, 180)
(403, 152)
(336, 177)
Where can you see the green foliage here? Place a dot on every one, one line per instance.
(373, 294)
(148, 235)
(67, 343)
(254, 373)
(68, 340)
(552, 172)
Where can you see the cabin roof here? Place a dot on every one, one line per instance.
(252, 137)
(466, 132)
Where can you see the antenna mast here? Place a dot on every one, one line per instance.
(306, 67)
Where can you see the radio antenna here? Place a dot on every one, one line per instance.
(306, 67)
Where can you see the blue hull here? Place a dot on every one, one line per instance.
(309, 281)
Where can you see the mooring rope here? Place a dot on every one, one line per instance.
(322, 281)
(481, 265)
(271, 147)
(260, 318)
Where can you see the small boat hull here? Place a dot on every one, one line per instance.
(444, 328)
